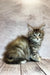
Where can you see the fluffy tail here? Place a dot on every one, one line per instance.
(11, 60)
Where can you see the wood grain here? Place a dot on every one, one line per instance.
(1, 64)
(31, 69)
(7, 69)
(45, 66)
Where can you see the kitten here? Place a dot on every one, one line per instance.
(23, 48)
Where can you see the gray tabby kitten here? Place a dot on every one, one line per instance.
(23, 48)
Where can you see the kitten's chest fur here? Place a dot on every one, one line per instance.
(35, 46)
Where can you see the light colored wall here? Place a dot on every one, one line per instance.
(14, 16)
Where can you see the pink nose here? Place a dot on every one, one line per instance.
(37, 38)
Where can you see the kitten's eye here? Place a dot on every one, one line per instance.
(34, 34)
(39, 34)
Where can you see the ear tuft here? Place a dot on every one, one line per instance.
(30, 28)
(42, 27)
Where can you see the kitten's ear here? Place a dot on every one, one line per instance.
(30, 28)
(42, 27)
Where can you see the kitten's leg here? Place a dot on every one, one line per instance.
(36, 57)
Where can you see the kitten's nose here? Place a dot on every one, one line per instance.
(37, 37)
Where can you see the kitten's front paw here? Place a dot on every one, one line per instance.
(36, 58)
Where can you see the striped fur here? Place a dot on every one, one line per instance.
(24, 48)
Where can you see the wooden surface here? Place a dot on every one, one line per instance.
(29, 68)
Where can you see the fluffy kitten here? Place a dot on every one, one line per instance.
(25, 48)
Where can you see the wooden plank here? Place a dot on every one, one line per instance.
(45, 65)
(31, 68)
(1, 63)
(7, 69)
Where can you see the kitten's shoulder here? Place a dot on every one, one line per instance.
(22, 38)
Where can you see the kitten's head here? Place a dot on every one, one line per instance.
(36, 34)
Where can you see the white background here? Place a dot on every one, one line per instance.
(14, 16)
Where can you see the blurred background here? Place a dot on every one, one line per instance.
(16, 14)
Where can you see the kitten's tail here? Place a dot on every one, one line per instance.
(8, 60)
(12, 60)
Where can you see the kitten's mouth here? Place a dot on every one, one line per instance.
(36, 40)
